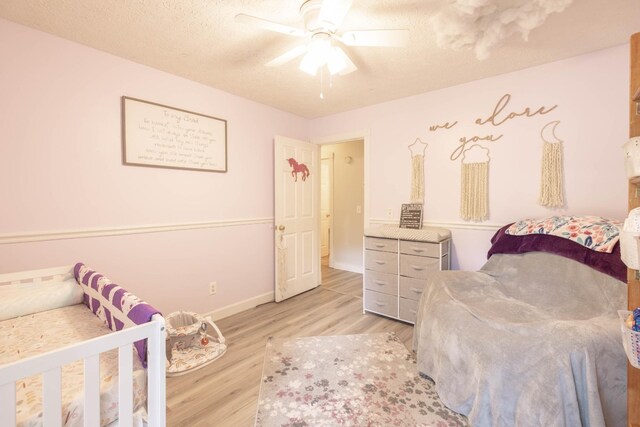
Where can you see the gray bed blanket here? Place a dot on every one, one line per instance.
(529, 340)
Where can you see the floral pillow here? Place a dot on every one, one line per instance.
(593, 232)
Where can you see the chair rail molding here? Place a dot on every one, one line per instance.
(43, 236)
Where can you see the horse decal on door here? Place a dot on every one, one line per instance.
(298, 167)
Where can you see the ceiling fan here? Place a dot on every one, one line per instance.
(322, 18)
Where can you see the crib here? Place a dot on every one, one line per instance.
(50, 364)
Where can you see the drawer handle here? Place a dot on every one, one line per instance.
(379, 245)
(416, 290)
(380, 262)
(417, 250)
(413, 312)
(378, 282)
(417, 267)
(380, 304)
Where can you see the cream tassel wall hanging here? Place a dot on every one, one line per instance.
(282, 263)
(474, 192)
(551, 192)
(417, 150)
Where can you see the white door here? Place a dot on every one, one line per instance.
(325, 205)
(296, 198)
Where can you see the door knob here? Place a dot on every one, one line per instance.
(281, 228)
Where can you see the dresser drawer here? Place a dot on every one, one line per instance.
(385, 262)
(408, 310)
(418, 266)
(381, 282)
(378, 244)
(420, 248)
(381, 303)
(411, 288)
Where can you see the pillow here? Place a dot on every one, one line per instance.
(28, 298)
(593, 232)
(611, 264)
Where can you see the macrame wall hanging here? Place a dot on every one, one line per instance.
(417, 150)
(281, 262)
(551, 191)
(474, 192)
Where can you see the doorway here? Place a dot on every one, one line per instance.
(326, 208)
(342, 207)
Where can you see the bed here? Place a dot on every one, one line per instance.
(77, 349)
(532, 339)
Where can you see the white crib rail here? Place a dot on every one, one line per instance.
(37, 276)
(49, 364)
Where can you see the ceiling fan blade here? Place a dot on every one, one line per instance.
(383, 38)
(269, 25)
(334, 11)
(350, 66)
(287, 56)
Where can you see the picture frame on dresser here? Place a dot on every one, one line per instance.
(411, 215)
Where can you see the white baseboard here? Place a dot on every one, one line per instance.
(239, 306)
(347, 267)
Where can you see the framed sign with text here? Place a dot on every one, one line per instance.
(411, 216)
(160, 136)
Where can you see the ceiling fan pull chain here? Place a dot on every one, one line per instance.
(321, 82)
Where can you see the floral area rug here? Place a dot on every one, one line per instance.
(347, 380)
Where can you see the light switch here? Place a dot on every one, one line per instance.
(358, 209)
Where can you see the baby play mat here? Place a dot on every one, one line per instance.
(348, 380)
(190, 343)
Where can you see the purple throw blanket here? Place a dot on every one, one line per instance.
(608, 263)
(116, 307)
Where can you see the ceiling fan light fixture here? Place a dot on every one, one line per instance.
(320, 45)
(318, 52)
(336, 61)
(309, 64)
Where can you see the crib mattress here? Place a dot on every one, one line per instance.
(38, 333)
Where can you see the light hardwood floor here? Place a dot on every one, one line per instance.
(225, 393)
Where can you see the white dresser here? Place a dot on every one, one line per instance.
(397, 263)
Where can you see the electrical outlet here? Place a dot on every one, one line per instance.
(389, 213)
(213, 288)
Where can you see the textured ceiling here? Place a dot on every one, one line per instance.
(199, 40)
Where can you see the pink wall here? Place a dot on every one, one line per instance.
(591, 92)
(60, 166)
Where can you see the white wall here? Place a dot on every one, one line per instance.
(591, 92)
(348, 194)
